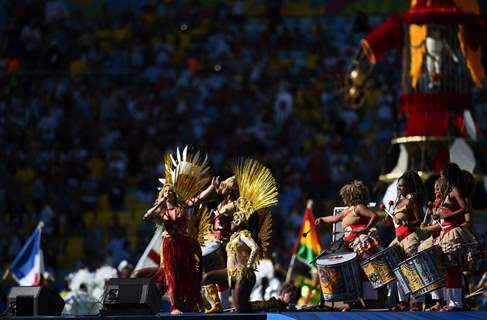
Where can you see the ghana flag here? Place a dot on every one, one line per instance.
(308, 245)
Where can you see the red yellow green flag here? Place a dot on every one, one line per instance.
(307, 246)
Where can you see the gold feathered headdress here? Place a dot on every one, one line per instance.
(187, 173)
(257, 187)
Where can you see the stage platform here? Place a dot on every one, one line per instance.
(353, 315)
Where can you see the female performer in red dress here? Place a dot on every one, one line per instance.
(180, 269)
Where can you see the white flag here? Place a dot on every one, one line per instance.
(151, 256)
(390, 195)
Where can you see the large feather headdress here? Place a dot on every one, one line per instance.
(186, 172)
(258, 191)
(256, 185)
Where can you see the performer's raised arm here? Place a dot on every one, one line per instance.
(330, 219)
(215, 182)
(363, 211)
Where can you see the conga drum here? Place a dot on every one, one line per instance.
(377, 270)
(213, 256)
(339, 277)
(394, 255)
(423, 272)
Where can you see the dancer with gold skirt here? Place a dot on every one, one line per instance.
(221, 221)
(251, 227)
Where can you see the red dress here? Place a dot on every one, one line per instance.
(181, 262)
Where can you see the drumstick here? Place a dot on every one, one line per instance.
(475, 293)
(429, 205)
(389, 213)
(392, 215)
(305, 234)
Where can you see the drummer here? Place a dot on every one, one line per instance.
(455, 239)
(357, 221)
(476, 248)
(434, 229)
(407, 212)
(221, 219)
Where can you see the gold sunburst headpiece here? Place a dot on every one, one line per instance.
(186, 172)
(257, 187)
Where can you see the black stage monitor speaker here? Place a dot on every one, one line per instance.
(34, 301)
(130, 297)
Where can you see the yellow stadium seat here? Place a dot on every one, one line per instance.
(103, 203)
(89, 219)
(140, 208)
(74, 248)
(132, 181)
(62, 260)
(133, 239)
(130, 202)
(133, 230)
(104, 218)
(125, 218)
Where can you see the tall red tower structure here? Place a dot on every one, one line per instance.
(441, 43)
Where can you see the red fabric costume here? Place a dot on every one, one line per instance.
(181, 258)
(221, 225)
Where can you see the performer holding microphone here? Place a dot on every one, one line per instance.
(180, 271)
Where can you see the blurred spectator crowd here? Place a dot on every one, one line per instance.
(89, 104)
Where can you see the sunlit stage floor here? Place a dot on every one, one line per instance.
(353, 315)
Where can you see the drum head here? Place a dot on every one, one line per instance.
(336, 258)
(209, 248)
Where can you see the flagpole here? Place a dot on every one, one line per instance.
(309, 205)
(40, 225)
(290, 268)
(157, 232)
(6, 274)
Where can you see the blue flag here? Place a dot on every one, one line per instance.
(26, 267)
